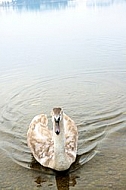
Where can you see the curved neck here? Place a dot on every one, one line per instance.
(61, 161)
(59, 140)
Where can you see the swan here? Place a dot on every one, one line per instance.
(56, 148)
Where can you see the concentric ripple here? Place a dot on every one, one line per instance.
(97, 109)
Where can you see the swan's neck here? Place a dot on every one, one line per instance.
(60, 158)
(59, 141)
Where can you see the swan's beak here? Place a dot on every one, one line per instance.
(57, 127)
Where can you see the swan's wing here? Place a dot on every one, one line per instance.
(39, 139)
(42, 119)
(71, 137)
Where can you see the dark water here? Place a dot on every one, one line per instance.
(70, 54)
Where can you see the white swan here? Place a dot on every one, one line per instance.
(55, 148)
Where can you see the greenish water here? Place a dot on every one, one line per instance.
(70, 54)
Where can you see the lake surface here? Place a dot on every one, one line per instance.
(70, 54)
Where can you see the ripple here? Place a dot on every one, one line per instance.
(97, 109)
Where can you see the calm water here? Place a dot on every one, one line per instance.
(70, 54)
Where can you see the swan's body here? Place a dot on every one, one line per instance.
(55, 149)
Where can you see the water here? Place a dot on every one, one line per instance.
(70, 54)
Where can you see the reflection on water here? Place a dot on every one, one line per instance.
(102, 3)
(37, 4)
(73, 58)
(95, 118)
(51, 5)
(18, 111)
(63, 181)
(96, 107)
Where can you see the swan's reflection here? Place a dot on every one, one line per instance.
(63, 181)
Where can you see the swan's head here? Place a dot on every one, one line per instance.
(57, 117)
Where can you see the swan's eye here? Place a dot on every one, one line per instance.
(57, 119)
